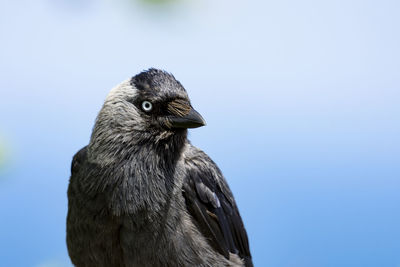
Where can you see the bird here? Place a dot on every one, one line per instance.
(140, 194)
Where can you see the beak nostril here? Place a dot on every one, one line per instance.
(179, 107)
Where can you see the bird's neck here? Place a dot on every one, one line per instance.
(105, 148)
(138, 177)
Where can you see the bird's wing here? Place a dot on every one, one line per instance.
(78, 160)
(212, 206)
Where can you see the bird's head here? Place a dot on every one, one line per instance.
(162, 103)
(151, 105)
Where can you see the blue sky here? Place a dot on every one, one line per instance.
(301, 100)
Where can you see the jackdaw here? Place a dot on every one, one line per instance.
(140, 194)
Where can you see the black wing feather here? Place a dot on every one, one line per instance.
(211, 204)
(206, 220)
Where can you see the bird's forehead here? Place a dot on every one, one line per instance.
(158, 83)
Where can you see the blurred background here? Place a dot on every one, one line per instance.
(301, 100)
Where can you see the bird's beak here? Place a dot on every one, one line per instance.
(192, 120)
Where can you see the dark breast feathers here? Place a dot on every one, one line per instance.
(208, 200)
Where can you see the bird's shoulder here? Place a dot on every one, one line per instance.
(78, 160)
(211, 204)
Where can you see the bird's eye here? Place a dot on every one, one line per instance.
(147, 106)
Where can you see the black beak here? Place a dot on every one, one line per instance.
(192, 120)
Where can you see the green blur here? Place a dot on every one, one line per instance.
(3, 156)
(158, 2)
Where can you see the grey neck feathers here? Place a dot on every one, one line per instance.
(137, 169)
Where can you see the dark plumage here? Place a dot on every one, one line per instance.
(141, 195)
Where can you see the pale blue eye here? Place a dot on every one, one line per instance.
(147, 106)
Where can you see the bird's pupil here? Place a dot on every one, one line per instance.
(146, 106)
